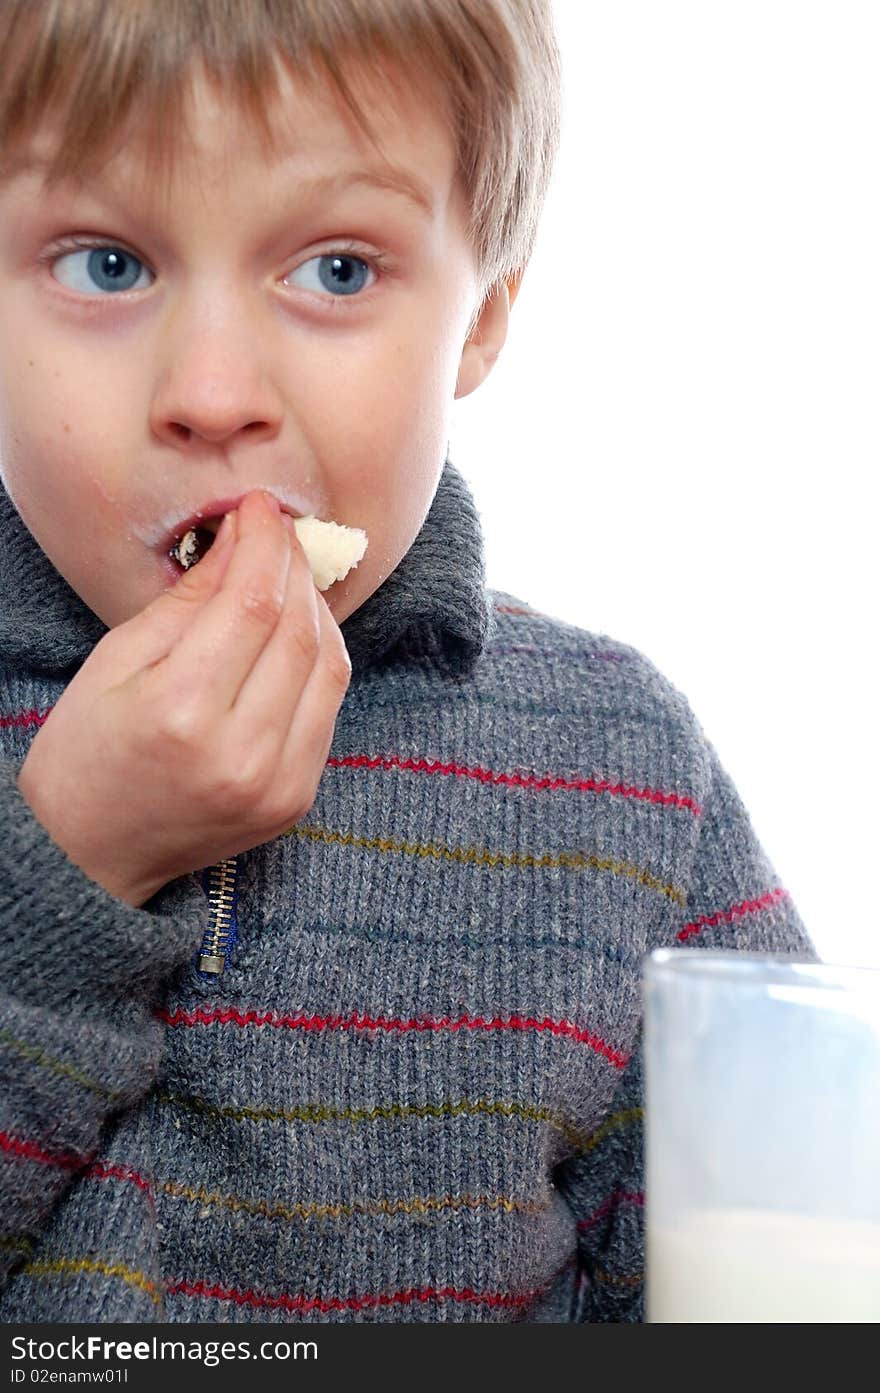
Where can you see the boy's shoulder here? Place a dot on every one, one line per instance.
(587, 675)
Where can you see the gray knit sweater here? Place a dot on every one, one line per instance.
(412, 1092)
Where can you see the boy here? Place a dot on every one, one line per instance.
(322, 912)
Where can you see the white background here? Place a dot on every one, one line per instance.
(679, 444)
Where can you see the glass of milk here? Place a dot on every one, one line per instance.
(763, 1138)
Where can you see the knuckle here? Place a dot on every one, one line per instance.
(339, 666)
(303, 806)
(178, 724)
(282, 812)
(305, 637)
(242, 783)
(262, 603)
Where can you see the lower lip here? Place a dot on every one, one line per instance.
(173, 569)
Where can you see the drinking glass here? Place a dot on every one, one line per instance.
(762, 1100)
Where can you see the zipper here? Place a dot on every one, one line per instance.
(219, 884)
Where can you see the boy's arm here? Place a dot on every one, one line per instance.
(734, 901)
(79, 973)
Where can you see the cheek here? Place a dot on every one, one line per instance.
(58, 377)
(55, 458)
(410, 400)
(62, 415)
(42, 402)
(386, 456)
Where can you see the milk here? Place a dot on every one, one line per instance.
(753, 1265)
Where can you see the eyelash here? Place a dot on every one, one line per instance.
(377, 262)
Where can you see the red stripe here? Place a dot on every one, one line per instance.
(463, 771)
(98, 1170)
(25, 718)
(230, 1016)
(489, 776)
(102, 1171)
(613, 1201)
(727, 916)
(354, 1303)
(17, 1146)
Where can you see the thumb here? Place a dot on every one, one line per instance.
(203, 579)
(147, 637)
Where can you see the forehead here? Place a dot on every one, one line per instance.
(309, 134)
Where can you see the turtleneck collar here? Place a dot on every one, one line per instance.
(434, 604)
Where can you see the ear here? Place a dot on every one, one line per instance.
(487, 338)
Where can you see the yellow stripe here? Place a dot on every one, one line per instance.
(45, 1267)
(393, 1111)
(478, 857)
(611, 1124)
(634, 1281)
(57, 1066)
(373, 1208)
(311, 1113)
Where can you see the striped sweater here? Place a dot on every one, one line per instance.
(387, 1066)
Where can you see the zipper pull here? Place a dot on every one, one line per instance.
(219, 883)
(209, 962)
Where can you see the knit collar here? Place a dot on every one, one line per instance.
(433, 606)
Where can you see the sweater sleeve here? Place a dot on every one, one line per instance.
(79, 973)
(734, 901)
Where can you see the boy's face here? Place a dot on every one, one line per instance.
(208, 343)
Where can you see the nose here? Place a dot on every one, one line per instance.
(214, 383)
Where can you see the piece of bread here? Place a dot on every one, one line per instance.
(331, 549)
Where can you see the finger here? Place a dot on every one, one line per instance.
(267, 701)
(142, 641)
(314, 720)
(215, 652)
(209, 572)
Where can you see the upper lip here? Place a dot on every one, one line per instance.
(217, 508)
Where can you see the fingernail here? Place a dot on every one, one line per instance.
(224, 531)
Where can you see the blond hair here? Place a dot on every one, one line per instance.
(497, 61)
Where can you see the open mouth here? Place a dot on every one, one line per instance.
(189, 549)
(331, 549)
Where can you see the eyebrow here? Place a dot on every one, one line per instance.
(394, 180)
(390, 180)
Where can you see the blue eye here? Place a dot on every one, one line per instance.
(105, 268)
(111, 268)
(337, 272)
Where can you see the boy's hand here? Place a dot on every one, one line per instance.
(201, 727)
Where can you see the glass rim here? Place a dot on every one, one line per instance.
(758, 970)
